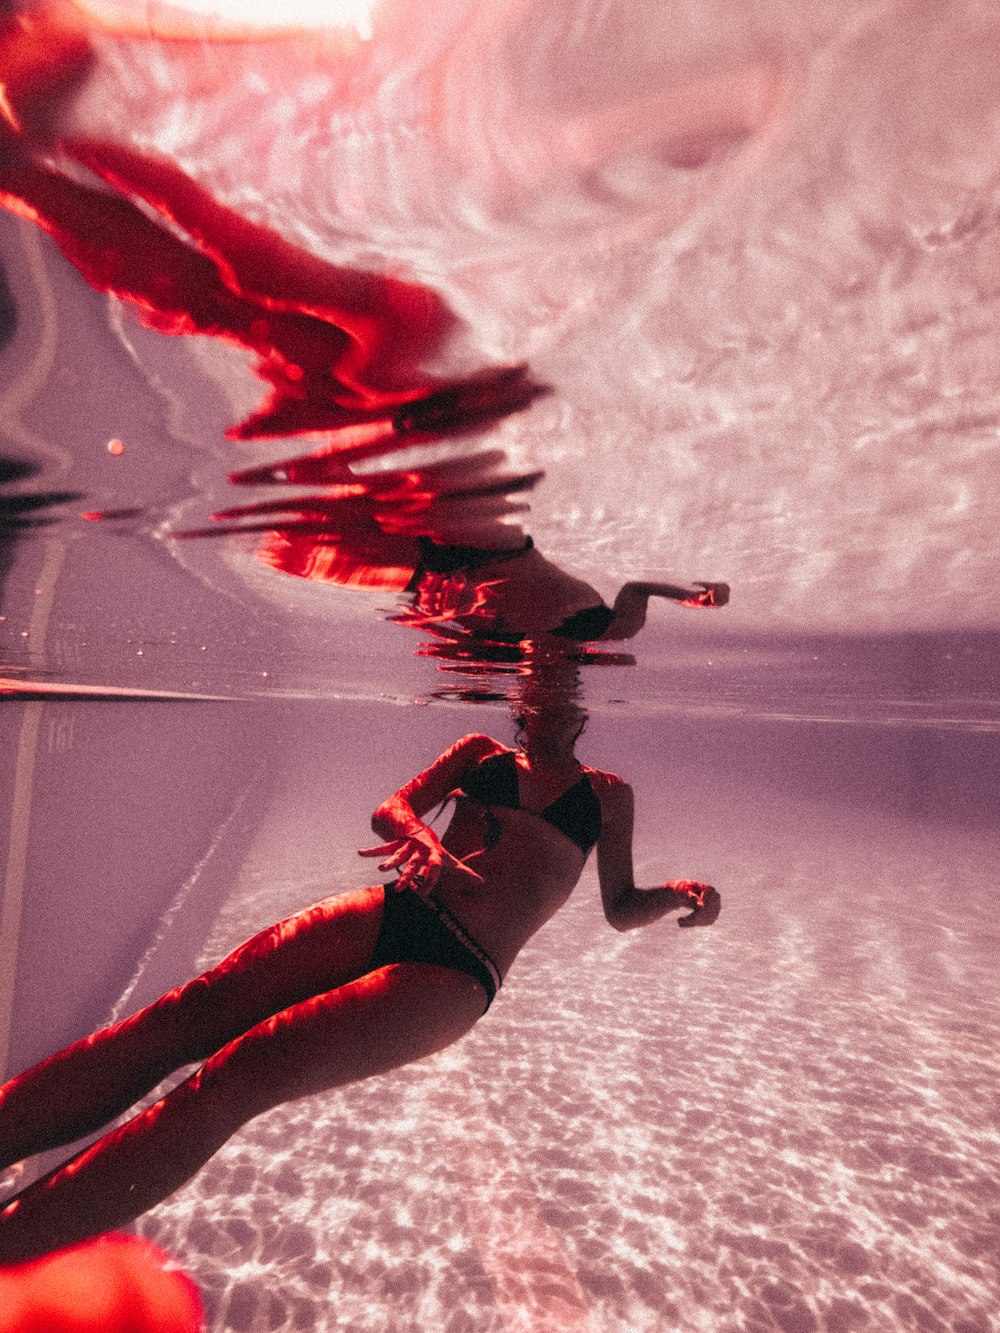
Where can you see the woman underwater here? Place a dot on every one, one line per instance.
(353, 986)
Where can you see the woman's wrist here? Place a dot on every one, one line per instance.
(396, 825)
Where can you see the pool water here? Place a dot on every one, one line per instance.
(789, 1121)
(764, 332)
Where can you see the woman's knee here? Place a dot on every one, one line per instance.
(243, 1079)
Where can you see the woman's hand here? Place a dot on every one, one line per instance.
(706, 901)
(420, 858)
(712, 594)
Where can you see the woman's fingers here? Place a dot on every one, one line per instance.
(707, 909)
(464, 868)
(712, 594)
(420, 864)
(419, 875)
(384, 849)
(419, 861)
(690, 888)
(395, 860)
(399, 852)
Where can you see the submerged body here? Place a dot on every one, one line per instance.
(527, 864)
(326, 998)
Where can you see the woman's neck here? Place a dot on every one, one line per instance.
(543, 759)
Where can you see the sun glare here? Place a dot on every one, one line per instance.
(229, 18)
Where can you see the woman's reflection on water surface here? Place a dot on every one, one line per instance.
(356, 985)
(442, 536)
(499, 588)
(342, 352)
(444, 541)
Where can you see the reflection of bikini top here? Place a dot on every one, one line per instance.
(436, 558)
(587, 624)
(576, 813)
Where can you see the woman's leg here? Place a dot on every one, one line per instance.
(76, 1091)
(383, 1020)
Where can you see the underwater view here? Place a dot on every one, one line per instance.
(438, 432)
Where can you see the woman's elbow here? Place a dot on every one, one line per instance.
(617, 915)
(382, 819)
(630, 613)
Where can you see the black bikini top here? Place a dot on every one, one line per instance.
(576, 813)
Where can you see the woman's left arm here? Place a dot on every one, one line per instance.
(625, 905)
(633, 599)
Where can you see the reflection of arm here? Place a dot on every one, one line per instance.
(400, 815)
(633, 599)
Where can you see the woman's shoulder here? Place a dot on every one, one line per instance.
(613, 792)
(602, 781)
(603, 777)
(475, 747)
(478, 740)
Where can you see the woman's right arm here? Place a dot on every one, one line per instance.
(411, 845)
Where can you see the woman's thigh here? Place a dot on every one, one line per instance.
(310, 953)
(381, 1021)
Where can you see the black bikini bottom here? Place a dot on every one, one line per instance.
(415, 931)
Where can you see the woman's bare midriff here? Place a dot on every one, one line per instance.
(528, 875)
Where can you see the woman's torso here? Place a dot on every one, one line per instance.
(529, 866)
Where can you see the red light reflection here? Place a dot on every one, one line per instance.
(338, 347)
(226, 20)
(118, 1284)
(341, 350)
